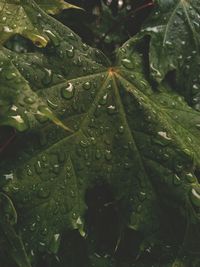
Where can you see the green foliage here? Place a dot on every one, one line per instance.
(104, 167)
(16, 18)
(174, 45)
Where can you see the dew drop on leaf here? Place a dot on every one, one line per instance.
(85, 46)
(127, 63)
(195, 196)
(176, 180)
(47, 77)
(38, 167)
(51, 104)
(108, 155)
(121, 129)
(29, 100)
(68, 91)
(87, 85)
(190, 178)
(70, 52)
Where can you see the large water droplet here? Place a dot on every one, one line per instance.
(68, 91)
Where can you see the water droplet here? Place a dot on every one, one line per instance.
(142, 196)
(52, 37)
(127, 63)
(9, 176)
(111, 109)
(56, 168)
(51, 104)
(103, 100)
(7, 29)
(108, 155)
(29, 171)
(121, 129)
(70, 52)
(55, 243)
(44, 231)
(68, 91)
(47, 77)
(38, 218)
(198, 126)
(87, 85)
(29, 100)
(195, 196)
(85, 46)
(38, 167)
(195, 87)
(84, 143)
(33, 227)
(176, 180)
(190, 178)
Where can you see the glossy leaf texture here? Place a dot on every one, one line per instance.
(174, 34)
(142, 142)
(17, 18)
(54, 7)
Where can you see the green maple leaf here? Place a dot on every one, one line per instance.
(17, 18)
(143, 143)
(174, 44)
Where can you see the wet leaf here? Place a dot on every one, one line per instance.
(174, 45)
(55, 6)
(141, 142)
(26, 23)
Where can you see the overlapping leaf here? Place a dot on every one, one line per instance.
(144, 144)
(17, 18)
(55, 6)
(174, 44)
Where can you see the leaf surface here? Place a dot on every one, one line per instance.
(55, 6)
(174, 44)
(17, 18)
(141, 142)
